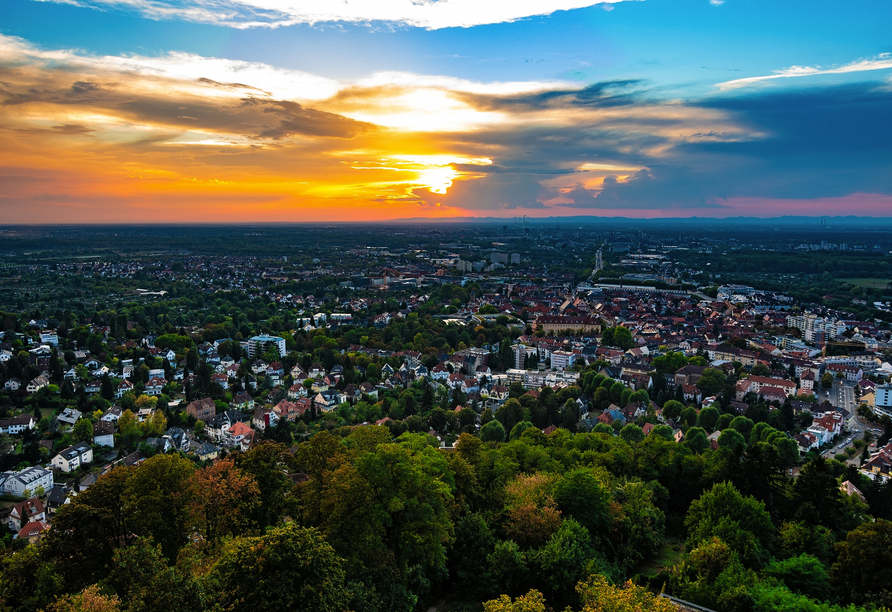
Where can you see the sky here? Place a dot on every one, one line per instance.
(184, 111)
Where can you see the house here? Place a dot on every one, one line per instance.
(287, 410)
(57, 497)
(73, 457)
(221, 379)
(848, 488)
(132, 460)
(125, 387)
(178, 438)
(112, 414)
(275, 372)
(304, 404)
(33, 531)
(689, 374)
(155, 386)
(37, 384)
(244, 402)
(218, 427)
(202, 410)
(259, 366)
(239, 432)
(265, 418)
(93, 386)
(28, 480)
(807, 441)
(691, 393)
(13, 384)
(830, 421)
(207, 452)
(17, 425)
(25, 512)
(754, 384)
(850, 373)
(612, 414)
(317, 371)
(69, 416)
(807, 382)
(368, 389)
(328, 400)
(161, 445)
(104, 433)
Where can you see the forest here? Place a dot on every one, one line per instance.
(353, 519)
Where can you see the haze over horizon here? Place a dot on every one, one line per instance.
(174, 111)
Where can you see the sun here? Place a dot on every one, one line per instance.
(438, 180)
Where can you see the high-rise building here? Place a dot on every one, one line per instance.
(260, 344)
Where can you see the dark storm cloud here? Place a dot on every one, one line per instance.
(602, 94)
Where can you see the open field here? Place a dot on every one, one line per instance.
(867, 283)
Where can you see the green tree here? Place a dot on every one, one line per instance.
(289, 568)
(816, 495)
(563, 561)
(743, 425)
(803, 574)
(862, 572)
(631, 433)
(140, 576)
(580, 495)
(269, 463)
(388, 508)
(696, 439)
(731, 438)
(157, 501)
(509, 414)
(492, 432)
(708, 417)
(741, 522)
(797, 538)
(28, 582)
(711, 381)
(670, 362)
(672, 409)
(83, 431)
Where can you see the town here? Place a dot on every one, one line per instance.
(774, 356)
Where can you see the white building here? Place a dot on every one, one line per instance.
(883, 401)
(561, 360)
(260, 344)
(73, 457)
(29, 479)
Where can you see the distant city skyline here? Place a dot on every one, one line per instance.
(169, 111)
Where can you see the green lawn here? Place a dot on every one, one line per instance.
(867, 283)
(668, 556)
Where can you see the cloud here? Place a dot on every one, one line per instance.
(204, 138)
(149, 92)
(429, 14)
(879, 62)
(661, 188)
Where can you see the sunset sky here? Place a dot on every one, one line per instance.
(318, 110)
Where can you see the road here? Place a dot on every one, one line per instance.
(599, 264)
(841, 395)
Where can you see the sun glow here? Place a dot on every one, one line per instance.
(438, 180)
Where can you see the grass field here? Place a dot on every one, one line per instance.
(668, 556)
(867, 283)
